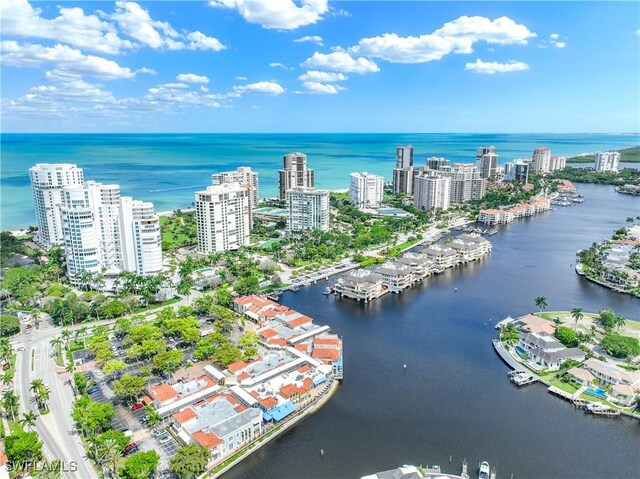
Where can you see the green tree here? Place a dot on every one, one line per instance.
(249, 338)
(9, 325)
(22, 447)
(189, 461)
(247, 285)
(223, 297)
(129, 387)
(113, 367)
(10, 404)
(113, 435)
(567, 336)
(541, 302)
(576, 314)
(81, 383)
(140, 465)
(203, 304)
(620, 346)
(168, 361)
(509, 333)
(92, 417)
(28, 419)
(226, 354)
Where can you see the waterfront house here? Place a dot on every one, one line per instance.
(257, 308)
(521, 210)
(420, 265)
(530, 323)
(168, 398)
(442, 256)
(470, 247)
(625, 385)
(361, 285)
(546, 351)
(582, 376)
(395, 276)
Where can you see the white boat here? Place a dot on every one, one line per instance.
(327, 290)
(484, 471)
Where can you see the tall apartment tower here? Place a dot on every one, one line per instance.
(295, 173)
(222, 217)
(435, 163)
(47, 182)
(404, 156)
(403, 180)
(466, 182)
(607, 161)
(540, 160)
(517, 170)
(307, 208)
(431, 191)
(242, 175)
(365, 190)
(486, 161)
(106, 233)
(557, 163)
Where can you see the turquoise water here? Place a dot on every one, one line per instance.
(168, 168)
(599, 393)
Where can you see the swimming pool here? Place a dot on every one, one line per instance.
(599, 392)
(521, 352)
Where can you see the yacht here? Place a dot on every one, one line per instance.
(484, 472)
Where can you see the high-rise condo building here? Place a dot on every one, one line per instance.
(517, 170)
(307, 208)
(486, 161)
(435, 163)
(222, 217)
(365, 190)
(466, 182)
(431, 191)
(295, 173)
(557, 163)
(47, 181)
(105, 233)
(242, 175)
(607, 161)
(540, 160)
(404, 156)
(403, 180)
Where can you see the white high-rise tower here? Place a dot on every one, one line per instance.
(365, 190)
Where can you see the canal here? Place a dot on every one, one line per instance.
(454, 398)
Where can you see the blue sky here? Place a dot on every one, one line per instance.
(285, 66)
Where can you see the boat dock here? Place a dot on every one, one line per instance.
(520, 378)
(506, 357)
(504, 322)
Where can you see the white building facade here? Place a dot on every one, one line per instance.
(431, 191)
(541, 160)
(47, 182)
(466, 182)
(295, 173)
(607, 161)
(486, 161)
(366, 190)
(222, 216)
(242, 175)
(307, 208)
(404, 156)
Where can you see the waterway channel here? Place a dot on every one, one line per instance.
(454, 399)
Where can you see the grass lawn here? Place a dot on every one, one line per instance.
(567, 387)
(75, 345)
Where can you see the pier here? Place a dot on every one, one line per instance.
(506, 357)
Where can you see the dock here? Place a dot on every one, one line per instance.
(521, 378)
(506, 357)
(504, 322)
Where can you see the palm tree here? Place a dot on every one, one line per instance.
(111, 454)
(618, 321)
(66, 334)
(576, 313)
(28, 419)
(51, 472)
(38, 388)
(70, 367)
(541, 302)
(55, 342)
(5, 349)
(10, 403)
(7, 377)
(82, 332)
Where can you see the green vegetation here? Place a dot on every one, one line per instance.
(567, 336)
(23, 447)
(628, 176)
(9, 325)
(189, 461)
(620, 346)
(627, 155)
(140, 465)
(130, 387)
(92, 417)
(178, 230)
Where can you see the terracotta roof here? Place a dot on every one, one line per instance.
(307, 384)
(162, 392)
(326, 353)
(268, 333)
(289, 390)
(270, 313)
(294, 323)
(185, 415)
(255, 394)
(303, 369)
(240, 408)
(268, 402)
(335, 341)
(302, 347)
(243, 376)
(236, 366)
(278, 341)
(206, 439)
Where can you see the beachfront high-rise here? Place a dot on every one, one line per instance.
(47, 181)
(486, 161)
(540, 160)
(431, 191)
(242, 175)
(435, 163)
(402, 181)
(466, 182)
(105, 233)
(222, 217)
(607, 161)
(517, 170)
(295, 173)
(557, 163)
(365, 190)
(404, 156)
(307, 208)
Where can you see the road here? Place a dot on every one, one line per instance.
(56, 429)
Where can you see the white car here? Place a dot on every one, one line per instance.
(19, 347)
(163, 439)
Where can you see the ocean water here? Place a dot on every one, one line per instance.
(168, 168)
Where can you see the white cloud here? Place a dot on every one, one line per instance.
(136, 22)
(65, 59)
(317, 39)
(204, 89)
(149, 71)
(241, 78)
(318, 76)
(279, 65)
(490, 68)
(638, 32)
(279, 14)
(263, 88)
(559, 44)
(165, 95)
(174, 85)
(554, 36)
(340, 61)
(71, 26)
(192, 78)
(457, 36)
(321, 88)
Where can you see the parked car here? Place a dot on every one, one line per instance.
(131, 448)
(137, 406)
(19, 347)
(93, 390)
(164, 439)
